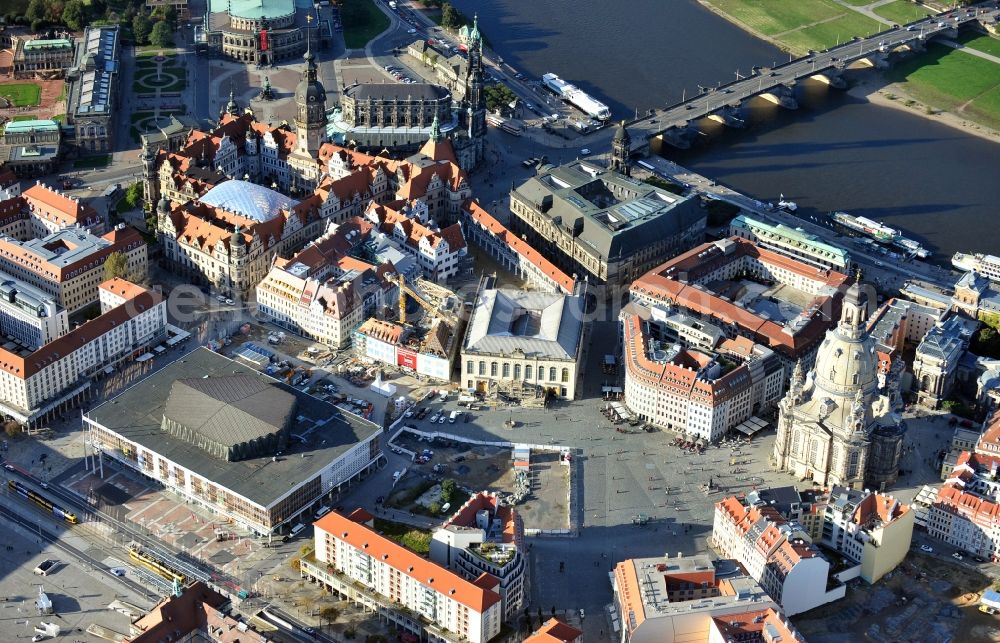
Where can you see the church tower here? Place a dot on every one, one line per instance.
(150, 184)
(471, 151)
(310, 122)
(621, 147)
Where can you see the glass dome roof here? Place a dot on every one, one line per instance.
(248, 199)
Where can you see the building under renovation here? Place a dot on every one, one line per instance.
(427, 338)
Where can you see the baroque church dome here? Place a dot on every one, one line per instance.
(846, 360)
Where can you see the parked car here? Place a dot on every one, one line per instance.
(957, 556)
(926, 548)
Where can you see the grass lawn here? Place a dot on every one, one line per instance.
(89, 162)
(858, 3)
(770, 17)
(953, 80)
(986, 44)
(22, 94)
(412, 538)
(902, 11)
(829, 34)
(23, 117)
(362, 22)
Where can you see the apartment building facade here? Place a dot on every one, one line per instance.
(868, 527)
(444, 606)
(484, 537)
(704, 392)
(777, 554)
(437, 250)
(52, 378)
(966, 510)
(69, 264)
(792, 242)
(27, 314)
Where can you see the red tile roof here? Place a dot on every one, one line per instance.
(676, 281)
(52, 205)
(555, 631)
(425, 572)
(518, 245)
(25, 367)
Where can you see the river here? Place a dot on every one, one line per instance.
(837, 152)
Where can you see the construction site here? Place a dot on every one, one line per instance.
(426, 336)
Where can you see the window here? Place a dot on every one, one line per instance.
(565, 375)
(527, 372)
(493, 369)
(552, 373)
(517, 371)
(468, 367)
(506, 370)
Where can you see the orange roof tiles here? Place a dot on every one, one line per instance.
(383, 331)
(122, 288)
(675, 281)
(520, 246)
(57, 207)
(25, 367)
(406, 562)
(752, 626)
(555, 631)
(989, 441)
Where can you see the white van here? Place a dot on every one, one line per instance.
(297, 529)
(451, 418)
(322, 512)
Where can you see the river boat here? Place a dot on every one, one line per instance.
(785, 204)
(881, 233)
(576, 97)
(986, 265)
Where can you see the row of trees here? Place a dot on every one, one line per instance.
(77, 14)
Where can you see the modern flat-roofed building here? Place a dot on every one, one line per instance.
(592, 221)
(69, 264)
(237, 442)
(484, 537)
(93, 90)
(38, 382)
(777, 301)
(45, 59)
(688, 599)
(701, 391)
(29, 315)
(409, 591)
(899, 322)
(792, 242)
(30, 148)
(777, 553)
(523, 344)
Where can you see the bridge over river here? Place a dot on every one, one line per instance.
(674, 123)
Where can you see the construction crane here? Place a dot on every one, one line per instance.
(406, 290)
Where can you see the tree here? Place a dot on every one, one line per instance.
(116, 265)
(36, 11)
(162, 35)
(141, 27)
(74, 15)
(329, 613)
(450, 18)
(499, 97)
(11, 428)
(447, 490)
(167, 14)
(295, 564)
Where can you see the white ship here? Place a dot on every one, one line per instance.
(986, 265)
(576, 97)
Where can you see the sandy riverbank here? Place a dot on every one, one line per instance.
(894, 95)
(881, 95)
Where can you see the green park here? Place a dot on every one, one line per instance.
(21, 94)
(363, 21)
(943, 78)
